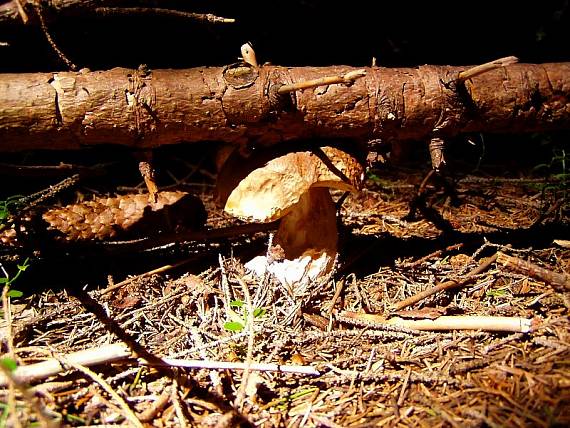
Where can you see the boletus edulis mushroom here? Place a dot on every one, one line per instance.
(293, 187)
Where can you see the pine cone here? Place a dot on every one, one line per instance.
(126, 216)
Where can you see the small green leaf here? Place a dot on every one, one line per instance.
(258, 312)
(15, 293)
(9, 364)
(236, 304)
(4, 280)
(233, 326)
(496, 293)
(24, 266)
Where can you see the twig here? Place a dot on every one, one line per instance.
(337, 292)
(127, 412)
(347, 79)
(226, 365)
(444, 323)
(249, 356)
(190, 235)
(59, 52)
(130, 11)
(177, 405)
(150, 413)
(86, 357)
(161, 269)
(431, 256)
(447, 285)
(22, 12)
(560, 281)
(119, 351)
(488, 66)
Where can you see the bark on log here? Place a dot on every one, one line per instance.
(240, 104)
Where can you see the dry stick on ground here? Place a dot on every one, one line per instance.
(447, 285)
(240, 104)
(559, 281)
(444, 323)
(240, 399)
(107, 354)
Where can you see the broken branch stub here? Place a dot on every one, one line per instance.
(201, 104)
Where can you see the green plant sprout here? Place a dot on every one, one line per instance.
(239, 321)
(7, 281)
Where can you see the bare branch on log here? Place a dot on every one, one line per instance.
(488, 66)
(240, 104)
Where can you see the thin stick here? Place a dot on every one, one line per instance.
(161, 269)
(130, 11)
(127, 412)
(488, 66)
(445, 323)
(50, 40)
(150, 413)
(447, 285)
(431, 256)
(177, 405)
(240, 399)
(22, 12)
(560, 281)
(226, 365)
(347, 78)
(191, 235)
(339, 287)
(86, 357)
(115, 352)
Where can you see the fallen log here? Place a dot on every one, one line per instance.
(242, 103)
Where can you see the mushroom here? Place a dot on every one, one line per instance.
(294, 187)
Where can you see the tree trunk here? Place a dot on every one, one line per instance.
(242, 103)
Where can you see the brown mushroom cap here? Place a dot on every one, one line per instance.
(269, 192)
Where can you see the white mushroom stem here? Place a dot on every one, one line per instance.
(311, 224)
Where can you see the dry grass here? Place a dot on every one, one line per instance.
(369, 376)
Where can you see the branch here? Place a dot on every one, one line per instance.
(560, 281)
(106, 354)
(444, 323)
(242, 104)
(447, 285)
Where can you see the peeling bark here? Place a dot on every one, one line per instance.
(240, 104)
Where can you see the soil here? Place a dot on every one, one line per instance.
(398, 238)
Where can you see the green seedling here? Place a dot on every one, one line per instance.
(496, 293)
(240, 315)
(7, 281)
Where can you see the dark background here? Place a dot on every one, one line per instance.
(294, 32)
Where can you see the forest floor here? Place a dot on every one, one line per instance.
(348, 370)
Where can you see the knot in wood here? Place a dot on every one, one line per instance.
(240, 75)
